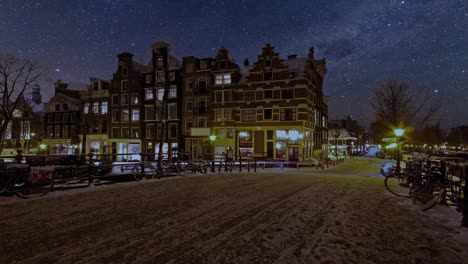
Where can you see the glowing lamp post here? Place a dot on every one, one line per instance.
(398, 133)
(212, 139)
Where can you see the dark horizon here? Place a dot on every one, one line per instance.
(421, 42)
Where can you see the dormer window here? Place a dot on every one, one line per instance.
(159, 61)
(203, 65)
(222, 64)
(124, 71)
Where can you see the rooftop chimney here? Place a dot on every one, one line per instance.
(246, 62)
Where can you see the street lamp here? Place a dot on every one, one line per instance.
(398, 133)
(212, 139)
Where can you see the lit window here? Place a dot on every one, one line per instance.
(223, 78)
(135, 115)
(173, 92)
(160, 94)
(135, 132)
(160, 78)
(95, 108)
(104, 108)
(125, 115)
(149, 94)
(134, 99)
(86, 108)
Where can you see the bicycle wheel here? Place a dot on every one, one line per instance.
(398, 184)
(31, 187)
(427, 195)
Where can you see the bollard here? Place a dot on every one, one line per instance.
(240, 165)
(212, 166)
(248, 166)
(281, 165)
(219, 166)
(255, 165)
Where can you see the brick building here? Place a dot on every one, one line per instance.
(62, 120)
(161, 104)
(95, 112)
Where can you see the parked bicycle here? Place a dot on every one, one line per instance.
(426, 183)
(16, 180)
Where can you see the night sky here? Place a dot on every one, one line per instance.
(422, 42)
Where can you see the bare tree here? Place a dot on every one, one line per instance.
(397, 104)
(16, 76)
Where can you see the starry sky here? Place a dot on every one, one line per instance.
(422, 42)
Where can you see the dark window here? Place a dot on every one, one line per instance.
(103, 126)
(267, 76)
(222, 64)
(268, 63)
(269, 134)
(115, 132)
(173, 131)
(267, 94)
(267, 114)
(57, 107)
(202, 86)
(65, 107)
(115, 99)
(292, 75)
(288, 114)
(125, 71)
(287, 94)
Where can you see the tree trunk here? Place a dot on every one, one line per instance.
(83, 144)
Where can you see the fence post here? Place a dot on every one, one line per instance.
(465, 200)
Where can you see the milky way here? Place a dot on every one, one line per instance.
(364, 42)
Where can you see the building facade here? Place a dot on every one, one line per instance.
(95, 112)
(62, 121)
(274, 109)
(161, 104)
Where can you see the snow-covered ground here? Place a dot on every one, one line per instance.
(288, 216)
